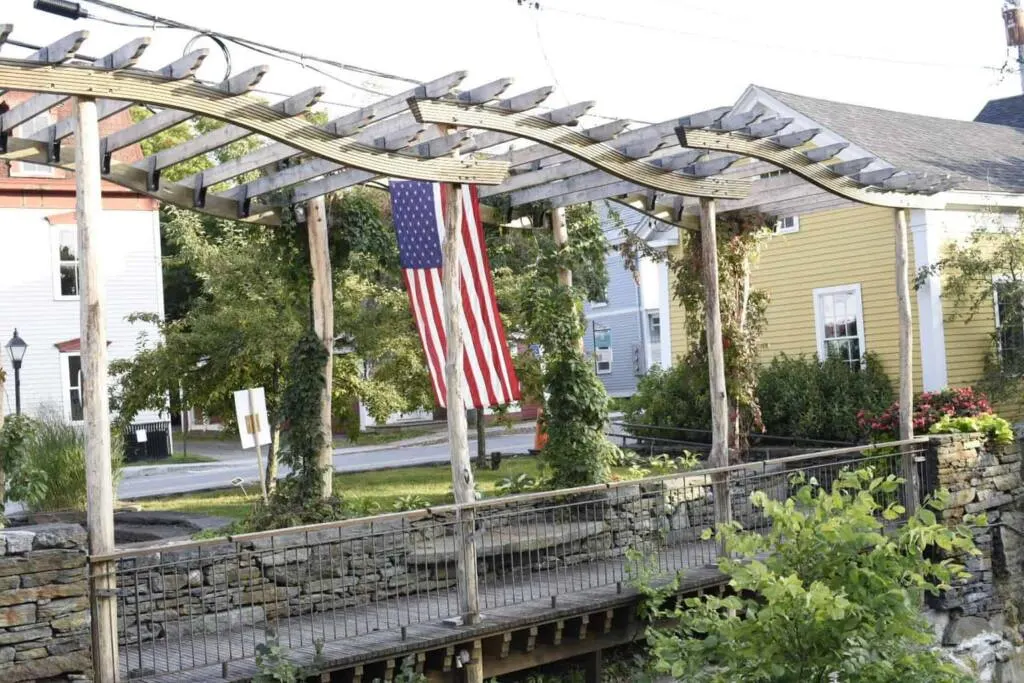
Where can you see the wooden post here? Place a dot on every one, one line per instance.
(3, 475)
(906, 390)
(323, 323)
(716, 360)
(462, 472)
(481, 441)
(99, 482)
(561, 236)
(254, 429)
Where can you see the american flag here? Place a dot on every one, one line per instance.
(488, 376)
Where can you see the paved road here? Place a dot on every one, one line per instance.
(166, 479)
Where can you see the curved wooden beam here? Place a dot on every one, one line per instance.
(799, 164)
(574, 143)
(241, 110)
(135, 179)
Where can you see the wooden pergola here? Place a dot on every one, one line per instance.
(434, 132)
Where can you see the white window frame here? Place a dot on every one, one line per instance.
(55, 233)
(26, 169)
(653, 313)
(819, 317)
(597, 353)
(995, 312)
(65, 384)
(781, 227)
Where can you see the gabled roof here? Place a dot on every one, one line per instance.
(1007, 111)
(982, 156)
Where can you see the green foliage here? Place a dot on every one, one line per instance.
(677, 397)
(275, 667)
(520, 483)
(300, 406)
(996, 429)
(805, 398)
(292, 505)
(409, 502)
(973, 271)
(48, 462)
(539, 310)
(17, 433)
(740, 236)
(828, 593)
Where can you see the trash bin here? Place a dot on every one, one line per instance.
(147, 441)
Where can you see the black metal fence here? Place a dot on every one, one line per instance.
(147, 441)
(210, 603)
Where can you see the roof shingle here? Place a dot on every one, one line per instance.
(984, 156)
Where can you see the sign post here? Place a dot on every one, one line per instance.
(253, 426)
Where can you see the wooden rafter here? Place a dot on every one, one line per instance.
(241, 110)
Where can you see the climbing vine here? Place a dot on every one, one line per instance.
(740, 236)
(574, 400)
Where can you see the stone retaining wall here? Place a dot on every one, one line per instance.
(44, 604)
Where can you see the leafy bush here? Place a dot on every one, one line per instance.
(521, 483)
(798, 396)
(50, 473)
(929, 408)
(677, 397)
(829, 592)
(995, 428)
(409, 502)
(802, 397)
(291, 504)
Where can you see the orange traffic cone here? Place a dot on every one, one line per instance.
(540, 437)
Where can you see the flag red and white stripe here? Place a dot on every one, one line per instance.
(489, 378)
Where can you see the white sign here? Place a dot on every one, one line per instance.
(251, 412)
(140, 436)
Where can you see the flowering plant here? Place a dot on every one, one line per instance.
(929, 408)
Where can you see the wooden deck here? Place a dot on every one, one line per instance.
(399, 626)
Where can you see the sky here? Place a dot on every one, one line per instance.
(648, 60)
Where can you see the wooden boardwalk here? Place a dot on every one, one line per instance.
(401, 625)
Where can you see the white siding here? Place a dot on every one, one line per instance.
(131, 265)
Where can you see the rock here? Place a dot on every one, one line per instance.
(7, 654)
(59, 536)
(964, 628)
(58, 608)
(48, 667)
(72, 623)
(34, 653)
(214, 623)
(18, 542)
(962, 497)
(51, 592)
(17, 615)
(26, 635)
(9, 583)
(62, 646)
(40, 561)
(46, 578)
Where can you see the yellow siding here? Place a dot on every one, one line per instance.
(846, 246)
(677, 317)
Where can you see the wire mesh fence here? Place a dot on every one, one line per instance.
(209, 603)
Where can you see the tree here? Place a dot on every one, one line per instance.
(542, 312)
(740, 236)
(830, 592)
(989, 267)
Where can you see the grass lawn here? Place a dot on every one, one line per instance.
(430, 482)
(176, 459)
(388, 436)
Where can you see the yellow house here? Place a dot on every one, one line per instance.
(829, 267)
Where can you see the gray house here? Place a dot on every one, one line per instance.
(627, 333)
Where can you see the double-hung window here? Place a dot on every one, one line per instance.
(839, 324)
(71, 374)
(64, 243)
(1009, 303)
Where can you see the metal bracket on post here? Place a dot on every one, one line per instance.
(53, 147)
(153, 174)
(3, 135)
(244, 202)
(199, 192)
(105, 157)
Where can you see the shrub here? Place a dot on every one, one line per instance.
(929, 408)
(677, 397)
(51, 475)
(828, 592)
(802, 397)
(995, 428)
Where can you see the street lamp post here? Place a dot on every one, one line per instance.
(16, 348)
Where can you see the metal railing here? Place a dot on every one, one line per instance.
(186, 606)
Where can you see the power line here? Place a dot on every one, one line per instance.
(769, 46)
(164, 22)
